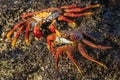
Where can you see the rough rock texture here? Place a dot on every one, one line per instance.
(36, 63)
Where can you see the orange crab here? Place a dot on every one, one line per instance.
(36, 19)
(72, 41)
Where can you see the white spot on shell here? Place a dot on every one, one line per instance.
(63, 40)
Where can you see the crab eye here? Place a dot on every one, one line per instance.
(48, 20)
(33, 23)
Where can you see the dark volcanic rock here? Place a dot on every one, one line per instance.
(36, 63)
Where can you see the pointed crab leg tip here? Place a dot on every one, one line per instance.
(13, 42)
(97, 5)
(56, 67)
(8, 35)
(48, 47)
(27, 42)
(104, 66)
(13, 45)
(71, 6)
(88, 13)
(106, 47)
(109, 47)
(80, 72)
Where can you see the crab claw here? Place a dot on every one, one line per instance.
(70, 22)
(52, 26)
(52, 29)
(50, 42)
(37, 33)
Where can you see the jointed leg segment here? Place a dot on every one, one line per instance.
(69, 50)
(52, 27)
(77, 14)
(83, 53)
(15, 27)
(27, 34)
(94, 45)
(82, 9)
(89, 36)
(70, 22)
(17, 35)
(70, 6)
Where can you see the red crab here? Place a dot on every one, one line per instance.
(36, 19)
(73, 41)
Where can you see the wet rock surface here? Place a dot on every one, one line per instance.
(36, 63)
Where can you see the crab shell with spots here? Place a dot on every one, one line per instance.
(73, 41)
(38, 18)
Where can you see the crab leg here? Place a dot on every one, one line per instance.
(83, 53)
(50, 42)
(28, 14)
(94, 45)
(77, 15)
(82, 9)
(17, 35)
(69, 54)
(26, 34)
(70, 6)
(69, 50)
(59, 51)
(89, 36)
(14, 28)
(52, 49)
(70, 22)
(52, 26)
(34, 13)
